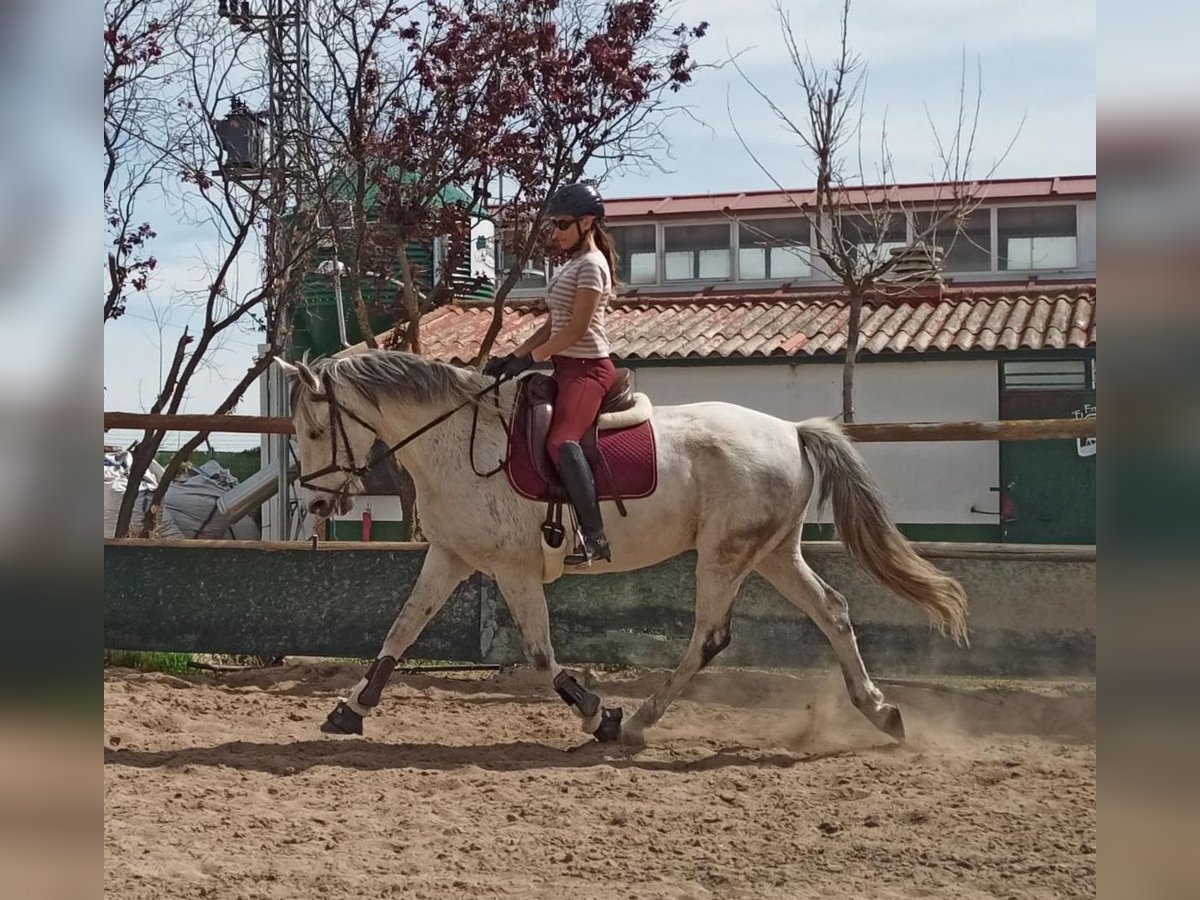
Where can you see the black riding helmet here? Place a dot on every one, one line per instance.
(576, 200)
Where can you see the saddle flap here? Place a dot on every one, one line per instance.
(620, 396)
(535, 415)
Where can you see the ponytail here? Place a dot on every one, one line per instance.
(604, 243)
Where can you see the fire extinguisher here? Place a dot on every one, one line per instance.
(366, 523)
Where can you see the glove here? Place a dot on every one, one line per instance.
(495, 366)
(515, 365)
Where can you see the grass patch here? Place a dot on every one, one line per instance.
(149, 661)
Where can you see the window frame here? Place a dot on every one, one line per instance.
(502, 270)
(661, 243)
(816, 274)
(813, 270)
(905, 212)
(658, 250)
(995, 208)
(992, 253)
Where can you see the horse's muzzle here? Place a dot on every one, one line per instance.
(324, 507)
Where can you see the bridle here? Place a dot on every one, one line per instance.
(337, 430)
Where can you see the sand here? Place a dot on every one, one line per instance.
(758, 785)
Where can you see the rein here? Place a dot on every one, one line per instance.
(337, 429)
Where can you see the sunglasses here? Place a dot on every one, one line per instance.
(562, 224)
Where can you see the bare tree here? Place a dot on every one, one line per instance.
(232, 211)
(140, 62)
(866, 235)
(411, 104)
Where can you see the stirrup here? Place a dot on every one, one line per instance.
(588, 550)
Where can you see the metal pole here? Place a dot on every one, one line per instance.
(337, 294)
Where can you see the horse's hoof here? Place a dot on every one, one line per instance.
(892, 724)
(343, 720)
(610, 725)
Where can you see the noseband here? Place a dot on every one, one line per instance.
(337, 429)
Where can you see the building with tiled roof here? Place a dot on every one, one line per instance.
(791, 325)
(722, 298)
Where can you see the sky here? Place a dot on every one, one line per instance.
(1037, 62)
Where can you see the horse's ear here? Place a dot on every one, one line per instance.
(302, 372)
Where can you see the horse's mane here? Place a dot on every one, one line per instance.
(401, 375)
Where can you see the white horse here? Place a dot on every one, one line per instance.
(733, 484)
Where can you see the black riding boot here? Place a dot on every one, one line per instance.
(576, 477)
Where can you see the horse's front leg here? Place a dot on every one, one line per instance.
(527, 602)
(440, 575)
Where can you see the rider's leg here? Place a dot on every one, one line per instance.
(582, 384)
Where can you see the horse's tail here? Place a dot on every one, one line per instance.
(868, 534)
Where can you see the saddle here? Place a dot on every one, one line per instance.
(619, 446)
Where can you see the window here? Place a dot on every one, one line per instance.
(773, 248)
(637, 256)
(534, 274)
(873, 241)
(1036, 237)
(1047, 375)
(696, 251)
(966, 245)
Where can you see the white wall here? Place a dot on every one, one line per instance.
(923, 482)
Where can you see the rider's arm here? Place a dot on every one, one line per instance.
(586, 302)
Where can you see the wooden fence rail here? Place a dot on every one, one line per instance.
(1009, 430)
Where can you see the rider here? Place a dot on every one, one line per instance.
(573, 338)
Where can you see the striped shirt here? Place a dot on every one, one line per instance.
(589, 270)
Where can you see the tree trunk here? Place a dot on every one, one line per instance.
(852, 337)
(143, 455)
(360, 312)
(184, 453)
(412, 302)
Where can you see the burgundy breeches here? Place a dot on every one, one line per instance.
(582, 384)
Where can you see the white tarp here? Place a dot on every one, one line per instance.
(192, 504)
(116, 482)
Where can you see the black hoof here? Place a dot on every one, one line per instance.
(343, 720)
(610, 725)
(893, 724)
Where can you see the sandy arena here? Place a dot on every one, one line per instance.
(758, 785)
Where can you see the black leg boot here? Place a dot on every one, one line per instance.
(576, 477)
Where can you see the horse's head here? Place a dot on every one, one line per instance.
(333, 436)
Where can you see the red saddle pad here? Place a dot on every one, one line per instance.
(630, 453)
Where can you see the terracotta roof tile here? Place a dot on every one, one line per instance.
(726, 324)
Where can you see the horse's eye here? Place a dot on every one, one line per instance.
(314, 435)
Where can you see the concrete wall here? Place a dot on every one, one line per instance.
(923, 483)
(1029, 615)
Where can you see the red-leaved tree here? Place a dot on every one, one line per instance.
(417, 102)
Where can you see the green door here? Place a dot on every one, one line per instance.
(1048, 488)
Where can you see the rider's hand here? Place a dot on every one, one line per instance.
(515, 365)
(495, 365)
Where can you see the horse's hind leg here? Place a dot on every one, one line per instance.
(716, 587)
(440, 575)
(526, 601)
(786, 569)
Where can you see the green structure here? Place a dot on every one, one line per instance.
(315, 322)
